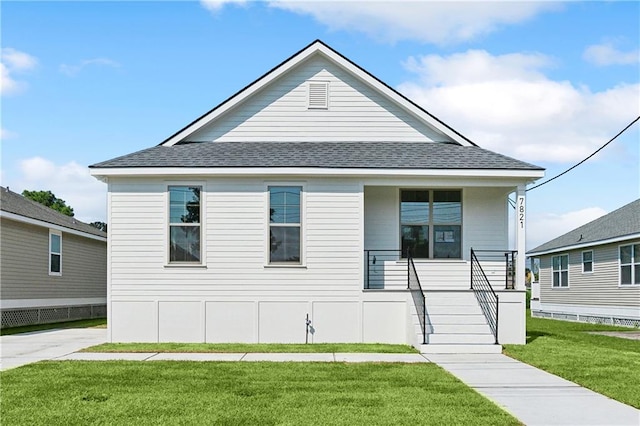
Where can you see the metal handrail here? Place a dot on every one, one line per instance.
(487, 297)
(505, 273)
(413, 284)
(375, 258)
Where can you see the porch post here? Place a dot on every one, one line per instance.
(521, 225)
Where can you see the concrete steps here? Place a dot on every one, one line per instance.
(455, 324)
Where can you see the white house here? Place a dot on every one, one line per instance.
(316, 192)
(592, 273)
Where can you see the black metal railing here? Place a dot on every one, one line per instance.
(499, 267)
(384, 269)
(413, 284)
(487, 297)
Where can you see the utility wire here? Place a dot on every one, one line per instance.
(594, 153)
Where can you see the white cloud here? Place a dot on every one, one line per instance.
(507, 104)
(217, 5)
(70, 182)
(547, 226)
(6, 134)
(72, 70)
(432, 22)
(13, 61)
(606, 54)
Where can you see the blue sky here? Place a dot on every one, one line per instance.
(545, 82)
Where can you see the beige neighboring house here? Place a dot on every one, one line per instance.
(52, 266)
(592, 273)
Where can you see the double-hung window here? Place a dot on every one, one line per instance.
(284, 224)
(560, 270)
(55, 253)
(630, 264)
(184, 224)
(431, 223)
(587, 261)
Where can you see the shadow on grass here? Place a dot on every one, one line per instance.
(533, 335)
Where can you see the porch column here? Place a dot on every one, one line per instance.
(521, 224)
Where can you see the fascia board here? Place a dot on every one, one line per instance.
(301, 171)
(584, 245)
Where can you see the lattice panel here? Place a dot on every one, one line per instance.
(79, 312)
(18, 317)
(30, 316)
(54, 314)
(627, 322)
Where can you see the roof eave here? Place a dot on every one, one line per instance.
(621, 238)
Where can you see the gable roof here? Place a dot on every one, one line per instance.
(319, 47)
(619, 225)
(16, 204)
(327, 155)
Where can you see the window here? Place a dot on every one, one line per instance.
(630, 264)
(560, 267)
(55, 253)
(587, 261)
(184, 224)
(284, 224)
(431, 223)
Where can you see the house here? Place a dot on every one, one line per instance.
(52, 266)
(316, 192)
(592, 273)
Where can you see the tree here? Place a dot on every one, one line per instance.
(100, 225)
(48, 198)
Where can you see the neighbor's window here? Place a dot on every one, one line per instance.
(55, 253)
(284, 224)
(431, 223)
(184, 224)
(560, 269)
(630, 264)
(587, 261)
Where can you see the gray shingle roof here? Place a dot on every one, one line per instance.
(17, 204)
(332, 155)
(619, 223)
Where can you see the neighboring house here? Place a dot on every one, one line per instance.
(302, 196)
(592, 273)
(52, 266)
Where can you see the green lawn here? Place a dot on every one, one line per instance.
(255, 348)
(607, 365)
(98, 323)
(234, 393)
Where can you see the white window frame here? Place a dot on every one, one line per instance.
(303, 209)
(168, 224)
(431, 223)
(635, 260)
(592, 261)
(553, 271)
(58, 234)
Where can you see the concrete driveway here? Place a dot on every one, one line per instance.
(25, 348)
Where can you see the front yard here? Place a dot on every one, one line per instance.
(605, 364)
(118, 392)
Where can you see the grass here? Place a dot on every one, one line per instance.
(250, 347)
(605, 364)
(233, 393)
(94, 323)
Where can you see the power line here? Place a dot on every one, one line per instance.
(594, 153)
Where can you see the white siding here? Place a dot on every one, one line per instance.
(280, 112)
(235, 228)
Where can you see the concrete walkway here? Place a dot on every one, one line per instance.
(25, 348)
(533, 396)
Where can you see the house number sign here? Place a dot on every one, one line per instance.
(521, 211)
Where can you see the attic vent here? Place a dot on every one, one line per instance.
(318, 95)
